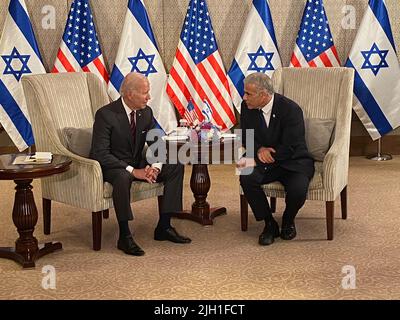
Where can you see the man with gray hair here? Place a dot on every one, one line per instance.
(281, 154)
(119, 136)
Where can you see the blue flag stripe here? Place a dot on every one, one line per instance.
(116, 78)
(379, 9)
(21, 19)
(237, 77)
(265, 15)
(19, 120)
(369, 103)
(139, 12)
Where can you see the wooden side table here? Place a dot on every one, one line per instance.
(202, 155)
(25, 214)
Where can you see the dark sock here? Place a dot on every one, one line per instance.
(123, 229)
(165, 221)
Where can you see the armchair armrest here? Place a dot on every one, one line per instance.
(336, 165)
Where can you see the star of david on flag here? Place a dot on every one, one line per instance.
(138, 52)
(377, 72)
(257, 50)
(138, 61)
(197, 72)
(314, 43)
(80, 48)
(19, 56)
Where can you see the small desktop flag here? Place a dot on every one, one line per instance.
(377, 72)
(314, 43)
(19, 55)
(138, 52)
(197, 72)
(257, 50)
(80, 48)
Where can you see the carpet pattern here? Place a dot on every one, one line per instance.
(222, 262)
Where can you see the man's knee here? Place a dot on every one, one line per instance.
(248, 180)
(122, 178)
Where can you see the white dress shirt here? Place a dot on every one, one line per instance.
(266, 110)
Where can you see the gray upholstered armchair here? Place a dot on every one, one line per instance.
(56, 104)
(325, 95)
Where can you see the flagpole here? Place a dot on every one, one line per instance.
(379, 156)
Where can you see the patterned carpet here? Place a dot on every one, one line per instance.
(222, 262)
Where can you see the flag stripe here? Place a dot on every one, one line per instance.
(265, 15)
(116, 78)
(294, 61)
(196, 84)
(237, 77)
(14, 112)
(173, 94)
(369, 103)
(64, 61)
(216, 93)
(381, 15)
(140, 13)
(21, 18)
(187, 86)
(99, 63)
(325, 60)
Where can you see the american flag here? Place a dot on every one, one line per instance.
(314, 44)
(190, 113)
(197, 72)
(80, 49)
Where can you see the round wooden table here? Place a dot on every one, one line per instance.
(25, 214)
(201, 155)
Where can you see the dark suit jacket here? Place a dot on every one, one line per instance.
(285, 133)
(112, 142)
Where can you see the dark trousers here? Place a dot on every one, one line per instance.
(295, 184)
(121, 180)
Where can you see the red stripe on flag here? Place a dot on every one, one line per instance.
(54, 70)
(64, 61)
(325, 59)
(184, 89)
(333, 48)
(221, 74)
(99, 65)
(294, 61)
(312, 64)
(175, 100)
(85, 69)
(216, 92)
(181, 59)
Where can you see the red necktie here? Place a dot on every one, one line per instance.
(133, 125)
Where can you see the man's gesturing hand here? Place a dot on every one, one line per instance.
(265, 155)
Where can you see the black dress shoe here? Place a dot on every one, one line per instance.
(271, 231)
(129, 246)
(170, 234)
(288, 231)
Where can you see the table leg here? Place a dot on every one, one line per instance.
(25, 217)
(200, 184)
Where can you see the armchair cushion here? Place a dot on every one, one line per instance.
(79, 140)
(318, 134)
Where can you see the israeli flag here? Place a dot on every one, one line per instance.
(138, 52)
(257, 50)
(19, 55)
(377, 72)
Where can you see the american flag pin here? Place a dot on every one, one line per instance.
(273, 115)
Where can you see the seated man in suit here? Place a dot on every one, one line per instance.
(119, 136)
(281, 154)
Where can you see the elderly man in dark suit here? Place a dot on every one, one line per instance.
(280, 154)
(119, 136)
